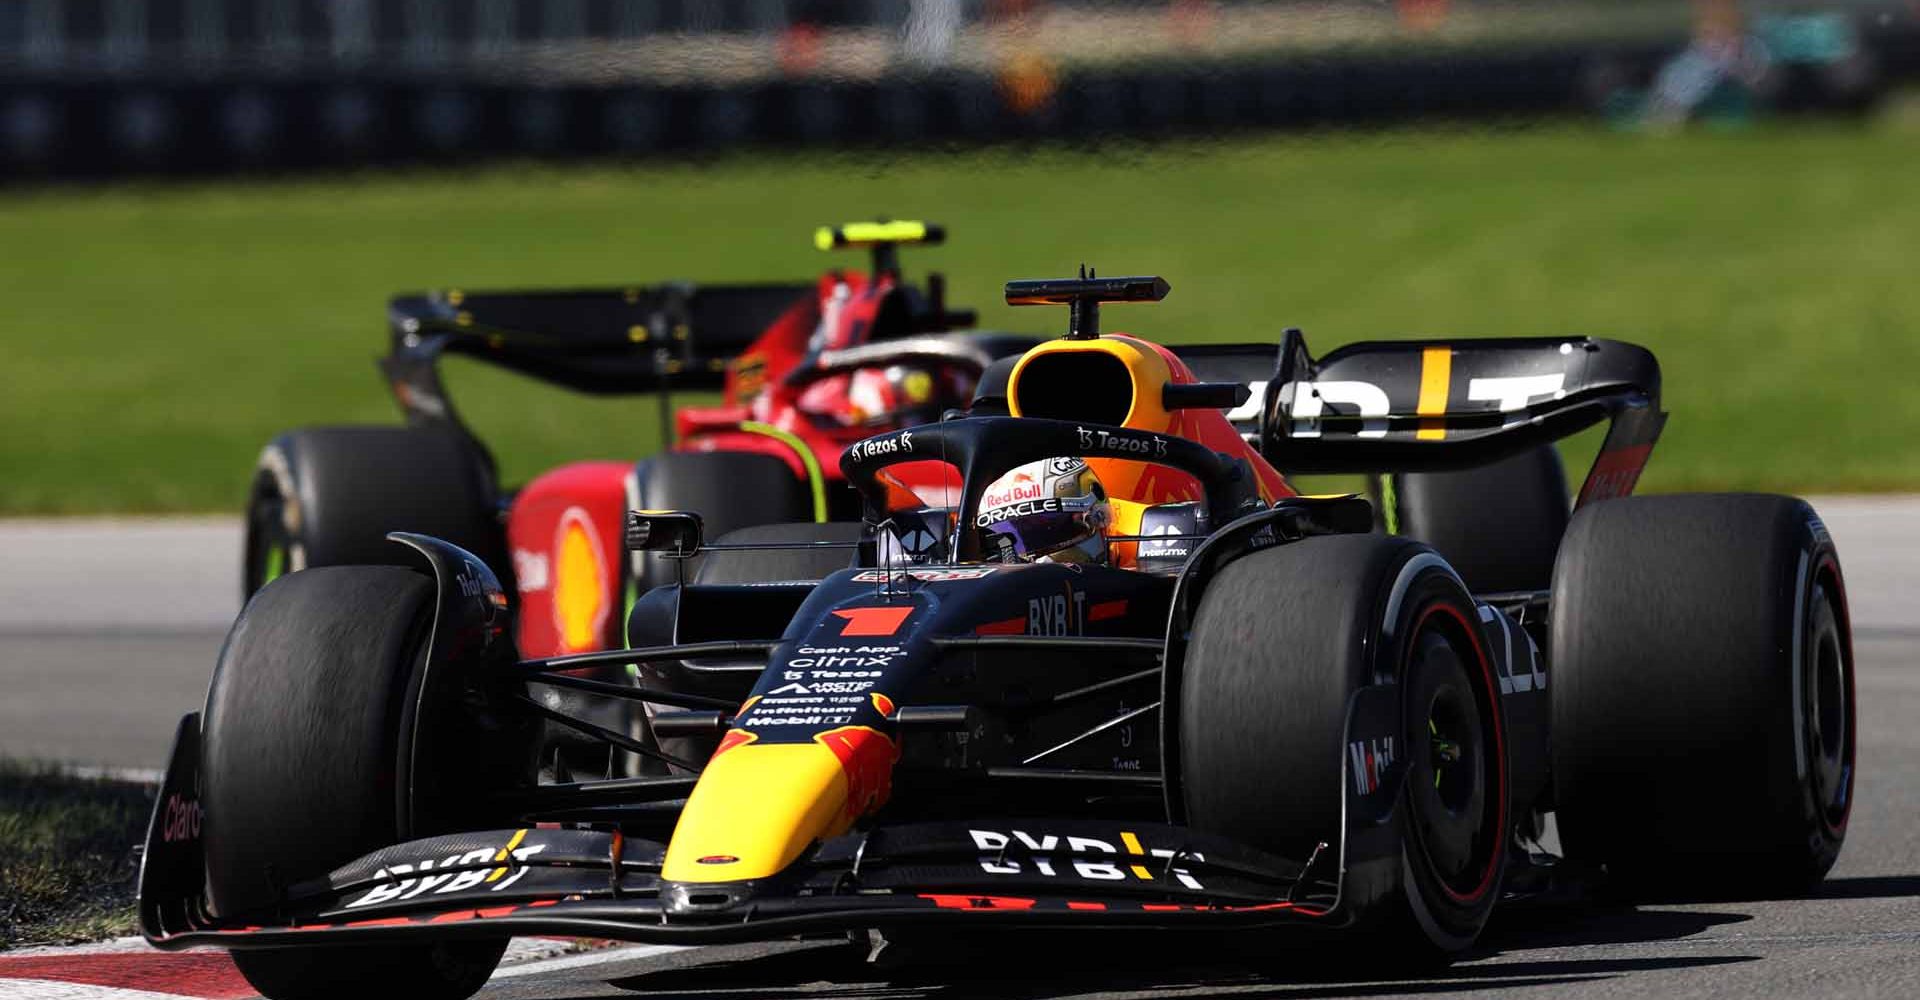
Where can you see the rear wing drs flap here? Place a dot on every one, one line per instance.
(1438, 405)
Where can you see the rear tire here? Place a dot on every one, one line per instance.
(1282, 640)
(729, 490)
(328, 496)
(769, 565)
(1703, 710)
(302, 770)
(1499, 525)
(763, 566)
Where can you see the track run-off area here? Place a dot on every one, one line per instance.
(109, 630)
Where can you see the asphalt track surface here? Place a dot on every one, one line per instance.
(108, 632)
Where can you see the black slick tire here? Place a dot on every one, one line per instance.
(769, 565)
(1499, 525)
(1702, 694)
(740, 567)
(328, 496)
(729, 490)
(301, 770)
(1282, 639)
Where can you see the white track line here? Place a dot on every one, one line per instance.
(50, 989)
(119, 945)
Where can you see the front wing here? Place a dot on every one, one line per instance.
(598, 883)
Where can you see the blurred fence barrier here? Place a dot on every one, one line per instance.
(108, 102)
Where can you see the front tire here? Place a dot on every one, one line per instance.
(1703, 708)
(304, 768)
(1282, 640)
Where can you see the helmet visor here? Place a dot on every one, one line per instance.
(1033, 528)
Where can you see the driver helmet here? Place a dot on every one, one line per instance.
(1053, 510)
(890, 395)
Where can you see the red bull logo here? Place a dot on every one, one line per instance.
(1028, 490)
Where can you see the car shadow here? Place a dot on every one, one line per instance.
(1868, 887)
(1039, 966)
(1523, 927)
(1850, 887)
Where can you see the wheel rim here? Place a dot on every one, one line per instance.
(276, 563)
(1453, 752)
(1454, 774)
(1828, 713)
(268, 545)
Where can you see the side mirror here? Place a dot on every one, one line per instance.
(675, 534)
(1204, 395)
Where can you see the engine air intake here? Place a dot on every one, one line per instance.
(1094, 386)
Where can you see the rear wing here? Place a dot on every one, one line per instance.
(604, 340)
(599, 340)
(1437, 405)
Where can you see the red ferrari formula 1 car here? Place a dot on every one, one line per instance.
(1120, 677)
(804, 370)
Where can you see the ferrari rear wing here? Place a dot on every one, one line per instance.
(1436, 405)
(599, 340)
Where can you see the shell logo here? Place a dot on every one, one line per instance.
(581, 602)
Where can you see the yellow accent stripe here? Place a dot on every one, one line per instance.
(812, 465)
(1436, 370)
(1133, 847)
(518, 836)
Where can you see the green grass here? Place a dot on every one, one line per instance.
(152, 338)
(67, 864)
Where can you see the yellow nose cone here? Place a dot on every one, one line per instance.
(758, 806)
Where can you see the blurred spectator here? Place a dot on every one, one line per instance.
(1724, 62)
(797, 49)
(930, 30)
(1026, 76)
(1191, 22)
(1423, 16)
(1734, 67)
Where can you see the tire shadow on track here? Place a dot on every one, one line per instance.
(1037, 967)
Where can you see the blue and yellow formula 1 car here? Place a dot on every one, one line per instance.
(1114, 673)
